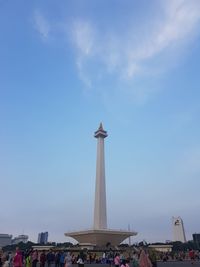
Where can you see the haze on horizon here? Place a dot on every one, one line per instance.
(67, 66)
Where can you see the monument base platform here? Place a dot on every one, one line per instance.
(101, 237)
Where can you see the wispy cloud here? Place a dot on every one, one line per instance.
(83, 37)
(180, 20)
(129, 51)
(128, 56)
(41, 24)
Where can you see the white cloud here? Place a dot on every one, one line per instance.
(83, 36)
(127, 53)
(41, 25)
(181, 19)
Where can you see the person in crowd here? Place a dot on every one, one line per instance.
(28, 260)
(110, 258)
(10, 257)
(192, 256)
(5, 261)
(127, 262)
(34, 258)
(117, 260)
(68, 260)
(62, 259)
(17, 260)
(80, 262)
(1, 255)
(135, 259)
(50, 258)
(57, 259)
(123, 263)
(42, 259)
(103, 260)
(144, 260)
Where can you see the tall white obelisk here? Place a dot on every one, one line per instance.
(100, 235)
(100, 216)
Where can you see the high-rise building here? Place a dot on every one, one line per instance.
(20, 238)
(196, 239)
(178, 229)
(43, 238)
(5, 240)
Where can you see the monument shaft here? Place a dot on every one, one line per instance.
(100, 215)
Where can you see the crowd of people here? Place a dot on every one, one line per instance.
(34, 258)
(189, 255)
(137, 258)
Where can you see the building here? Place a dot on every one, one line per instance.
(43, 238)
(178, 229)
(100, 235)
(196, 239)
(20, 238)
(161, 248)
(5, 240)
(41, 248)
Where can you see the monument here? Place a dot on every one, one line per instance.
(178, 229)
(100, 214)
(100, 235)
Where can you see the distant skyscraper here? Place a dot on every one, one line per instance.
(43, 238)
(196, 239)
(178, 229)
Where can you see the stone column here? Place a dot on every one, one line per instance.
(100, 216)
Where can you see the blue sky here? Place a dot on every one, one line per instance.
(68, 65)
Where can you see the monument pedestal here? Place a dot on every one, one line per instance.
(101, 237)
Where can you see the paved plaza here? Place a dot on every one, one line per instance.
(178, 264)
(160, 264)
